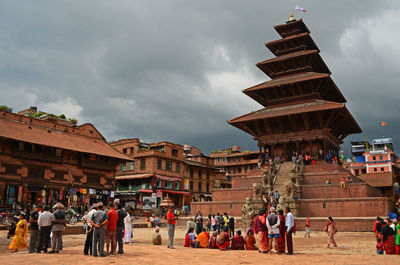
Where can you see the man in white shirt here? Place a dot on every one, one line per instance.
(273, 229)
(290, 230)
(89, 230)
(44, 223)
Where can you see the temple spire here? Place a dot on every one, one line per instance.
(291, 19)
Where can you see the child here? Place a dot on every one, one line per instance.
(379, 246)
(11, 232)
(156, 238)
(308, 228)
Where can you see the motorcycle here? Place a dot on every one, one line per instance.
(71, 216)
(6, 218)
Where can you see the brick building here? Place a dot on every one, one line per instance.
(51, 159)
(234, 163)
(160, 169)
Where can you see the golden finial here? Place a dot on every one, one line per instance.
(291, 17)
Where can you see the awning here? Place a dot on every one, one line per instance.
(134, 176)
(124, 192)
(168, 178)
(177, 192)
(146, 190)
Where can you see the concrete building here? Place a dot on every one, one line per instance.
(377, 165)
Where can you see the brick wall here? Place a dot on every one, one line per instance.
(245, 182)
(320, 178)
(377, 179)
(344, 207)
(214, 207)
(343, 224)
(335, 191)
(232, 194)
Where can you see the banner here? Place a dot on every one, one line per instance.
(147, 202)
(186, 184)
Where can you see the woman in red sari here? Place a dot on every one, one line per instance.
(261, 230)
(190, 238)
(388, 239)
(223, 240)
(250, 240)
(282, 229)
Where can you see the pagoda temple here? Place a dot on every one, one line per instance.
(304, 111)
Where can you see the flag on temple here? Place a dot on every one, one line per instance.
(383, 124)
(299, 8)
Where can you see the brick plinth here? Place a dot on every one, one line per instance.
(344, 207)
(234, 194)
(335, 191)
(214, 207)
(350, 224)
(245, 182)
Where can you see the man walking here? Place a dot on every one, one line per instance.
(273, 229)
(89, 230)
(34, 229)
(44, 223)
(112, 218)
(231, 223)
(120, 228)
(58, 220)
(99, 220)
(171, 220)
(290, 230)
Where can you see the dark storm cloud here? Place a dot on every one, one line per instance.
(174, 70)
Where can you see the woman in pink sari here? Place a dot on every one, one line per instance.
(261, 230)
(330, 228)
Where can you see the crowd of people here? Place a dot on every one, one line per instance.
(110, 227)
(272, 230)
(387, 235)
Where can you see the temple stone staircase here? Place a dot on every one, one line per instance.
(282, 176)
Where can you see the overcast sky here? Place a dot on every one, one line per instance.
(174, 70)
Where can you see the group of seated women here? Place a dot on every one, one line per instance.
(221, 241)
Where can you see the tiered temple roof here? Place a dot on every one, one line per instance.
(302, 102)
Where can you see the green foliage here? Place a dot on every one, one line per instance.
(74, 121)
(62, 116)
(4, 108)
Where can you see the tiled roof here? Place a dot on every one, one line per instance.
(288, 80)
(20, 131)
(276, 111)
